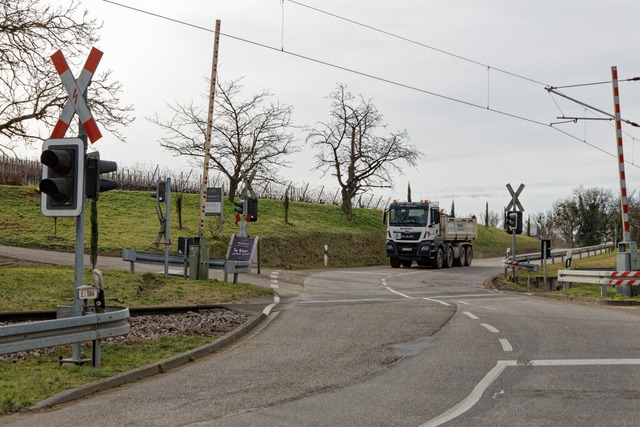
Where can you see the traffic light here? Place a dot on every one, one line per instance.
(252, 209)
(514, 222)
(94, 167)
(62, 185)
(239, 208)
(160, 191)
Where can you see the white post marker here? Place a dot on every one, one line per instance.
(75, 90)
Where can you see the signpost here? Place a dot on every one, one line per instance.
(512, 206)
(77, 103)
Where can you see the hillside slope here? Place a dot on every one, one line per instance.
(128, 219)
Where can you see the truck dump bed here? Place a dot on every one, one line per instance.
(458, 228)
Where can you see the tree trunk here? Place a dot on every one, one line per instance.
(347, 205)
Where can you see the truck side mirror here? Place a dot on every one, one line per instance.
(384, 215)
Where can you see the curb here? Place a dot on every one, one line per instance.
(156, 368)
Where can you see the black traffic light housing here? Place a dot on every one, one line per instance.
(93, 183)
(252, 209)
(514, 222)
(62, 185)
(239, 207)
(160, 191)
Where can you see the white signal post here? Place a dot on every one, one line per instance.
(207, 145)
(76, 91)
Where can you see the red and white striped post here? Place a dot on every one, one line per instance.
(207, 145)
(623, 184)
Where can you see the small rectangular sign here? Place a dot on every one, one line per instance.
(241, 248)
(87, 292)
(213, 203)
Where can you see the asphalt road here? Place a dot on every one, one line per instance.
(401, 347)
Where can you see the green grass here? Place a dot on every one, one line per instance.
(25, 288)
(25, 383)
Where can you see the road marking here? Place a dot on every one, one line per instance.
(470, 315)
(490, 328)
(397, 293)
(473, 398)
(581, 362)
(477, 392)
(462, 302)
(506, 345)
(435, 300)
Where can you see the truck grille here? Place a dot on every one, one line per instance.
(407, 236)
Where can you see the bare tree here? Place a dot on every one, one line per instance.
(30, 90)
(247, 134)
(358, 159)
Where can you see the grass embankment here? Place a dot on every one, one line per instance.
(127, 219)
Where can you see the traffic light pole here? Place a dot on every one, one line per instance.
(513, 243)
(76, 349)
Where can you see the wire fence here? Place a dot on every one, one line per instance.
(15, 171)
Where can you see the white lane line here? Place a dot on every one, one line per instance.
(581, 362)
(462, 302)
(273, 286)
(490, 328)
(397, 293)
(470, 315)
(506, 345)
(435, 300)
(473, 398)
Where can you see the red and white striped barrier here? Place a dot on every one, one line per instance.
(624, 278)
(518, 265)
(612, 278)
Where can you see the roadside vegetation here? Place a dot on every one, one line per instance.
(604, 262)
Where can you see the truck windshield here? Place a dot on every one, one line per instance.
(408, 216)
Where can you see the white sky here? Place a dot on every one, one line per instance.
(470, 153)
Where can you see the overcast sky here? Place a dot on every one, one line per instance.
(466, 79)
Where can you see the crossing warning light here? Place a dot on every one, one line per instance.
(93, 183)
(62, 184)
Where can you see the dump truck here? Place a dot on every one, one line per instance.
(421, 232)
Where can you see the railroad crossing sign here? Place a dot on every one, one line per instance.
(514, 197)
(76, 90)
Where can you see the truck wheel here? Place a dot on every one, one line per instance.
(395, 262)
(439, 261)
(462, 260)
(448, 259)
(407, 263)
(469, 256)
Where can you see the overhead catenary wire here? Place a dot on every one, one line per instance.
(378, 78)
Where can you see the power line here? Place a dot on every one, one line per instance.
(371, 76)
(445, 52)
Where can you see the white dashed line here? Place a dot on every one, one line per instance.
(470, 315)
(490, 328)
(506, 345)
(435, 300)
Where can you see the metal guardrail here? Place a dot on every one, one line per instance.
(562, 253)
(133, 257)
(70, 330)
(228, 266)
